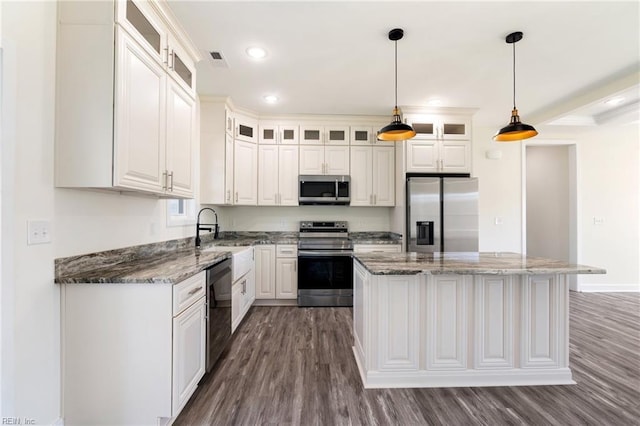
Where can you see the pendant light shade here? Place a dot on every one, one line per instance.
(396, 130)
(515, 130)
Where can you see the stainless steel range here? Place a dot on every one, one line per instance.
(325, 264)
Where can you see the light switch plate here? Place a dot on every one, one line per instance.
(38, 232)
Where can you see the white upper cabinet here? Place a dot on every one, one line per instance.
(438, 156)
(273, 134)
(216, 153)
(125, 100)
(141, 22)
(140, 99)
(246, 128)
(442, 143)
(324, 135)
(181, 67)
(367, 135)
(181, 118)
(435, 126)
(324, 160)
(372, 176)
(245, 173)
(278, 175)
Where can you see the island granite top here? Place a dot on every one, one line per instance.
(470, 263)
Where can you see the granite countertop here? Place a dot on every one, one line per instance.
(170, 267)
(490, 263)
(375, 238)
(176, 260)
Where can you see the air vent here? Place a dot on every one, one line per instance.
(217, 59)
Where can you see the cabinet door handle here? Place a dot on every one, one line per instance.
(194, 291)
(375, 199)
(295, 266)
(236, 196)
(228, 195)
(164, 180)
(170, 176)
(166, 55)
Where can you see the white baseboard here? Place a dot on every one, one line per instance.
(608, 288)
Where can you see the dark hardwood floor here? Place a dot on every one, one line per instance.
(289, 365)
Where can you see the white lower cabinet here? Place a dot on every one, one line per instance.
(189, 344)
(287, 278)
(286, 271)
(243, 294)
(132, 353)
(277, 272)
(265, 271)
(446, 322)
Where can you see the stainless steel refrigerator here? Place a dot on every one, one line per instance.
(442, 214)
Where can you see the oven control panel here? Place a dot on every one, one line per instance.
(324, 226)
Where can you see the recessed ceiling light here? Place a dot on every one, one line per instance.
(614, 101)
(256, 52)
(271, 99)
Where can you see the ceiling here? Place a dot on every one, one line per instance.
(336, 58)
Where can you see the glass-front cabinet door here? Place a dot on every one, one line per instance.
(140, 21)
(181, 67)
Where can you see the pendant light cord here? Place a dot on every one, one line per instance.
(396, 62)
(514, 75)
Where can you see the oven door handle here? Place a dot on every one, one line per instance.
(324, 253)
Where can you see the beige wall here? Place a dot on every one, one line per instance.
(500, 189)
(547, 201)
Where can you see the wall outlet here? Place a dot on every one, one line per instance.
(598, 220)
(499, 220)
(38, 232)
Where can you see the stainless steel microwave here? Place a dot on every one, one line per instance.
(324, 189)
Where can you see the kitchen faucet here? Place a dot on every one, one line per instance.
(208, 226)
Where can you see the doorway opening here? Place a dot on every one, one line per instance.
(550, 201)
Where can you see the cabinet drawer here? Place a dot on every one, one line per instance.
(377, 248)
(286, 250)
(188, 291)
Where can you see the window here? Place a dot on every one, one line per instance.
(181, 212)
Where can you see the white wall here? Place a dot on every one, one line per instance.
(288, 218)
(609, 185)
(547, 193)
(608, 188)
(500, 192)
(31, 348)
(90, 221)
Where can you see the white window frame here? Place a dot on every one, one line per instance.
(187, 218)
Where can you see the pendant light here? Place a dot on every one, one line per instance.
(397, 130)
(515, 130)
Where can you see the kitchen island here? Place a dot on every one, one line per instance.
(462, 319)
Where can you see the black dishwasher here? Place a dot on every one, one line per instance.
(218, 310)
